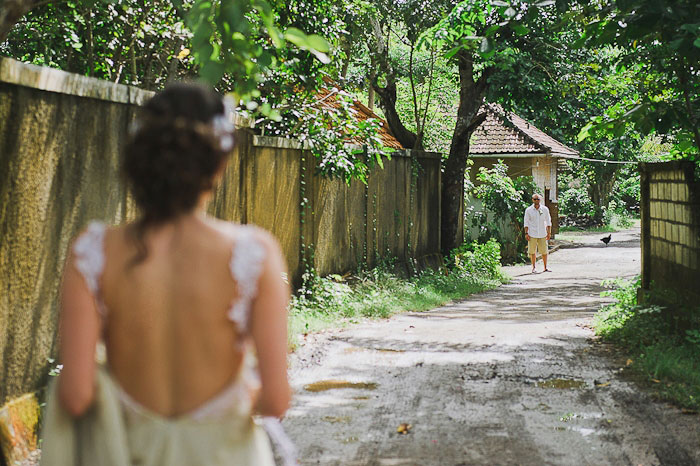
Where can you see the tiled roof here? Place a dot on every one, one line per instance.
(328, 98)
(505, 132)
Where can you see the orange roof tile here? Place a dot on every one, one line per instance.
(505, 132)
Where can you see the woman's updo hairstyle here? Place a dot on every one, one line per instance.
(179, 142)
(177, 145)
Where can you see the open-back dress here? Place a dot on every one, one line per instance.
(118, 431)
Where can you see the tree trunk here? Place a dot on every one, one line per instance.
(12, 11)
(471, 97)
(387, 100)
(346, 46)
(87, 15)
(372, 79)
(174, 62)
(601, 189)
(387, 95)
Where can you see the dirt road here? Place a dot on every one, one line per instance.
(509, 376)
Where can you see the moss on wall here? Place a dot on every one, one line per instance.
(58, 169)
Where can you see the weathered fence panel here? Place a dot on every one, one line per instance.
(670, 210)
(60, 140)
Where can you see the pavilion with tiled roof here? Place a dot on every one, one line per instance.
(526, 150)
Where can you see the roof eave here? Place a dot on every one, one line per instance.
(507, 155)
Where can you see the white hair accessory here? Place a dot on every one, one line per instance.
(222, 126)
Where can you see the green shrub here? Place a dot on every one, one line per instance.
(576, 202)
(627, 193)
(322, 295)
(662, 347)
(616, 217)
(334, 301)
(478, 260)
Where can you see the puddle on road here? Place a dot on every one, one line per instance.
(324, 385)
(561, 383)
(337, 419)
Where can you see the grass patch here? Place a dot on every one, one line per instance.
(663, 343)
(600, 229)
(616, 224)
(336, 301)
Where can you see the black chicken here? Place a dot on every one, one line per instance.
(606, 240)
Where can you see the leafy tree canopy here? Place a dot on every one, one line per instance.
(659, 44)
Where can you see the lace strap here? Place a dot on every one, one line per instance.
(246, 265)
(88, 250)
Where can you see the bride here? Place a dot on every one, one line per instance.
(192, 312)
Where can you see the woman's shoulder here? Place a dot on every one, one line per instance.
(236, 232)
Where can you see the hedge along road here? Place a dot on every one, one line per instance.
(509, 376)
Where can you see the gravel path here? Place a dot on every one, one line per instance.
(509, 376)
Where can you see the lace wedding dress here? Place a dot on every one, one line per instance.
(118, 431)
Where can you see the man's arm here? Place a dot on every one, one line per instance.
(527, 227)
(548, 223)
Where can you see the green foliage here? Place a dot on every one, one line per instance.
(379, 292)
(627, 193)
(231, 44)
(616, 216)
(661, 346)
(346, 146)
(505, 200)
(131, 42)
(478, 260)
(497, 189)
(576, 201)
(242, 41)
(436, 87)
(660, 43)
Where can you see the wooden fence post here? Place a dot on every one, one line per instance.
(645, 214)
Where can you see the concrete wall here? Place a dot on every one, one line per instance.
(60, 139)
(670, 210)
(517, 166)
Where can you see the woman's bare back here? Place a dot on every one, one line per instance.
(170, 343)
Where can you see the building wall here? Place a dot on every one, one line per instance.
(60, 139)
(670, 210)
(517, 166)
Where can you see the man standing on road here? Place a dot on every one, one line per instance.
(538, 229)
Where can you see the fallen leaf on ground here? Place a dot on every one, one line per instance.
(656, 380)
(403, 428)
(688, 411)
(602, 384)
(629, 362)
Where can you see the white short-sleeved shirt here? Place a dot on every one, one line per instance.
(537, 220)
